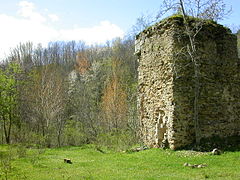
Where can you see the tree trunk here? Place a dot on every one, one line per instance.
(7, 131)
(193, 54)
(196, 103)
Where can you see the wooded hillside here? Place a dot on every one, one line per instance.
(69, 94)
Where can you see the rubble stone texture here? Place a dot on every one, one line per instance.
(166, 84)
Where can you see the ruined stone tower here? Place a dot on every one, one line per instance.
(166, 84)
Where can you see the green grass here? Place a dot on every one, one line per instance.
(88, 163)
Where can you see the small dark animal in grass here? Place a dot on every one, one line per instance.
(67, 161)
(194, 165)
(216, 151)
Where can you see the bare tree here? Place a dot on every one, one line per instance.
(47, 102)
(22, 54)
(142, 22)
(204, 9)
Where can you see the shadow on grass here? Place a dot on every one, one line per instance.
(231, 144)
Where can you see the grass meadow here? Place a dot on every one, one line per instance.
(19, 162)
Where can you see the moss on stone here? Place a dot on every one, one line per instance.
(208, 25)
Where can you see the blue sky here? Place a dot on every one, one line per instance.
(93, 21)
(86, 13)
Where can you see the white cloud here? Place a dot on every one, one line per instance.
(53, 17)
(27, 10)
(17, 30)
(97, 34)
(32, 26)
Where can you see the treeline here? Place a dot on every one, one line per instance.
(69, 94)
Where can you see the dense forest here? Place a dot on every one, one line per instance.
(69, 94)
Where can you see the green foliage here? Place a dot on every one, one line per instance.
(6, 165)
(9, 96)
(21, 151)
(8, 89)
(116, 140)
(74, 134)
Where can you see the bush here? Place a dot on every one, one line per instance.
(116, 140)
(21, 151)
(74, 135)
(6, 158)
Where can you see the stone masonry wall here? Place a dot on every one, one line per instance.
(156, 87)
(166, 84)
